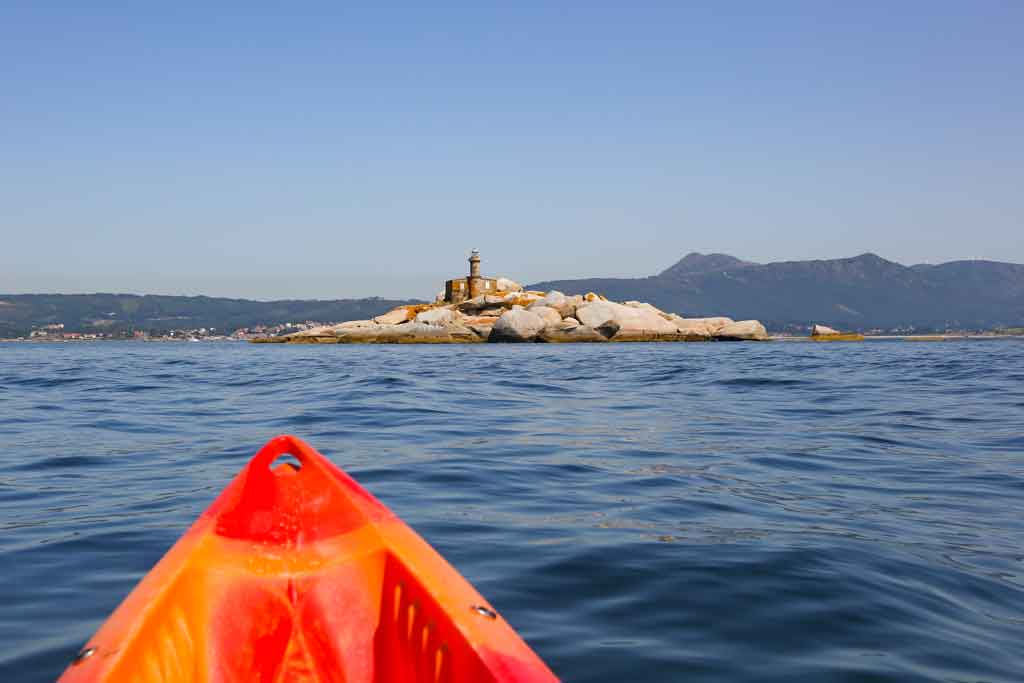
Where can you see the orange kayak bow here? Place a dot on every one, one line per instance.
(298, 574)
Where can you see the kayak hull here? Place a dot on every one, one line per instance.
(299, 574)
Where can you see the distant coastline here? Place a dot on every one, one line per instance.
(783, 338)
(865, 294)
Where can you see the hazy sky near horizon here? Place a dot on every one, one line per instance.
(320, 150)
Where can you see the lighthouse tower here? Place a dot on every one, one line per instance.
(459, 289)
(475, 281)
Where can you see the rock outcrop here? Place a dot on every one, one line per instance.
(550, 316)
(396, 316)
(480, 324)
(570, 334)
(625, 323)
(565, 305)
(528, 316)
(507, 285)
(744, 330)
(517, 325)
(823, 333)
(439, 316)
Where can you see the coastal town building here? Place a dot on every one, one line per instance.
(458, 290)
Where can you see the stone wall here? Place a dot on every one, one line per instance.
(456, 291)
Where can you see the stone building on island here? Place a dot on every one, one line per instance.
(458, 290)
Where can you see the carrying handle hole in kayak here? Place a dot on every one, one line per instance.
(286, 459)
(83, 655)
(485, 611)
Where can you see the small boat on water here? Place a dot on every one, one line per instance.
(297, 573)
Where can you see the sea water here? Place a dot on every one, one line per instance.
(638, 512)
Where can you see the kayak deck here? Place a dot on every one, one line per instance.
(299, 574)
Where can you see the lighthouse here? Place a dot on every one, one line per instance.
(459, 289)
(475, 281)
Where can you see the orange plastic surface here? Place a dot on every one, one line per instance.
(300, 575)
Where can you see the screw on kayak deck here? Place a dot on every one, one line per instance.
(84, 655)
(484, 611)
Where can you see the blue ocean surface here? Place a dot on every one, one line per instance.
(638, 512)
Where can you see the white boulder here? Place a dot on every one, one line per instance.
(632, 323)
(505, 284)
(698, 327)
(517, 325)
(394, 316)
(550, 316)
(480, 324)
(692, 328)
(482, 302)
(570, 335)
(521, 298)
(438, 316)
(747, 330)
(565, 306)
(643, 306)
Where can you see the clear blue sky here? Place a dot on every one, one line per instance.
(320, 150)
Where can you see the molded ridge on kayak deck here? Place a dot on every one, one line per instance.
(300, 574)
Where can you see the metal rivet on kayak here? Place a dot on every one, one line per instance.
(485, 611)
(84, 655)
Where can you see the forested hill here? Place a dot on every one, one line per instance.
(20, 313)
(860, 293)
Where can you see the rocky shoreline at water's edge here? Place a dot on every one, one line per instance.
(527, 316)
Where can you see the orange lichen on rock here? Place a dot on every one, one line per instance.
(479, 319)
(520, 299)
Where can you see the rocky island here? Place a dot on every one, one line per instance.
(478, 309)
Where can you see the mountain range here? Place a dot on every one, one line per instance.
(860, 293)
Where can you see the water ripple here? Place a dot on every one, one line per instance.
(707, 512)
